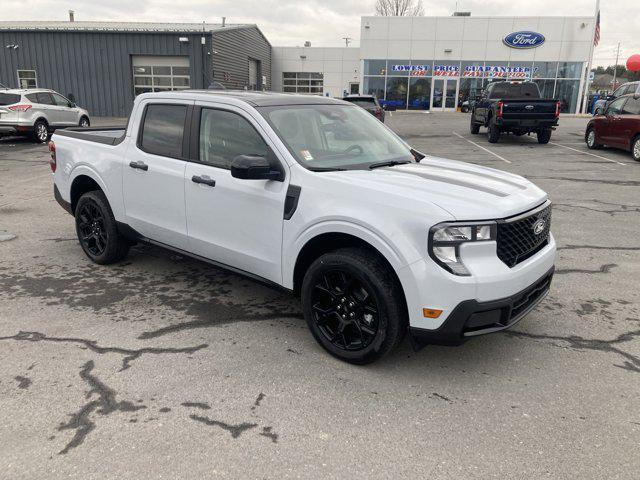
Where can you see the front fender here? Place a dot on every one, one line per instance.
(387, 249)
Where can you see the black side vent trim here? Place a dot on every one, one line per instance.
(291, 202)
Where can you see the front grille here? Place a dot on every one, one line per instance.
(517, 240)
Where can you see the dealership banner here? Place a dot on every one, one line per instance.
(495, 71)
(446, 71)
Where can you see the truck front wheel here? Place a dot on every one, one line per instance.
(353, 305)
(97, 229)
(474, 127)
(544, 136)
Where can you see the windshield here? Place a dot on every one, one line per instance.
(335, 136)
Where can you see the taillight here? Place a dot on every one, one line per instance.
(20, 108)
(52, 150)
(500, 109)
(557, 109)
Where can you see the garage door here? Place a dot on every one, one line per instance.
(157, 74)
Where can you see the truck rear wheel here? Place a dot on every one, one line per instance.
(544, 136)
(353, 305)
(493, 132)
(97, 229)
(474, 127)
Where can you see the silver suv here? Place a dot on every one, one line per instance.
(624, 89)
(38, 112)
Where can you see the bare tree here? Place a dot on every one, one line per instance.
(399, 8)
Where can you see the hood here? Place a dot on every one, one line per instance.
(466, 191)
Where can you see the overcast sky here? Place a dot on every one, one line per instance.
(325, 22)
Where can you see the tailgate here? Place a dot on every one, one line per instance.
(529, 109)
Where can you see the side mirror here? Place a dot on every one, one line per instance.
(72, 105)
(255, 167)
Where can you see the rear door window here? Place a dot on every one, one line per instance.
(9, 98)
(45, 98)
(32, 97)
(163, 130)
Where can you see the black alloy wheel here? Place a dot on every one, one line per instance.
(354, 305)
(344, 310)
(97, 229)
(91, 229)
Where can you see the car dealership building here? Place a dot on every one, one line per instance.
(437, 63)
(425, 63)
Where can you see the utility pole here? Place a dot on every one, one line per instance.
(347, 41)
(585, 93)
(615, 68)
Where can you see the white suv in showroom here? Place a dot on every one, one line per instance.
(38, 112)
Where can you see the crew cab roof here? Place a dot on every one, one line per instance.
(253, 98)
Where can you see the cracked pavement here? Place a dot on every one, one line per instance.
(164, 367)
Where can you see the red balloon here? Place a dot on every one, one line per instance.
(633, 63)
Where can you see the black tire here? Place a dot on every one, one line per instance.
(493, 132)
(97, 229)
(84, 122)
(635, 149)
(464, 109)
(544, 136)
(40, 132)
(590, 139)
(474, 127)
(370, 293)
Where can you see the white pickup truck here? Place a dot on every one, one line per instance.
(318, 197)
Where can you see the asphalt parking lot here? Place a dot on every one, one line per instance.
(163, 367)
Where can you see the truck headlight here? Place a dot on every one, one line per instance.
(445, 240)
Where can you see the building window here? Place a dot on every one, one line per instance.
(310, 83)
(27, 79)
(150, 78)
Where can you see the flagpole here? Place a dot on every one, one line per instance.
(585, 94)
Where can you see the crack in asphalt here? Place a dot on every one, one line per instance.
(211, 322)
(269, 433)
(596, 247)
(105, 404)
(631, 362)
(606, 268)
(234, 430)
(23, 382)
(623, 183)
(619, 207)
(129, 354)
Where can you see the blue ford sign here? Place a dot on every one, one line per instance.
(523, 40)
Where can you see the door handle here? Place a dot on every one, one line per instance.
(139, 166)
(204, 180)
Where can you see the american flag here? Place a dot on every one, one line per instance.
(596, 38)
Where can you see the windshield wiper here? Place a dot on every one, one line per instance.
(326, 169)
(389, 163)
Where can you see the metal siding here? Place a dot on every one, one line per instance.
(234, 48)
(94, 66)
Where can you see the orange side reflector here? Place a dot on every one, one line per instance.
(431, 312)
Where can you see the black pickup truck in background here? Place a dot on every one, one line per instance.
(515, 107)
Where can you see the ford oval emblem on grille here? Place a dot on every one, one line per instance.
(529, 107)
(539, 226)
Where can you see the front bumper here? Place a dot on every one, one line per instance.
(472, 318)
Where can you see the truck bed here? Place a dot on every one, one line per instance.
(104, 135)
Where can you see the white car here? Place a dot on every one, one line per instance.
(37, 112)
(316, 196)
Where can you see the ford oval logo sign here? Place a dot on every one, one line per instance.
(523, 40)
